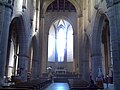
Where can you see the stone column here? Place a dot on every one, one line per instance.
(76, 46)
(75, 52)
(40, 36)
(44, 46)
(85, 61)
(5, 13)
(80, 44)
(114, 23)
(44, 54)
(41, 47)
(34, 69)
(96, 64)
(85, 70)
(23, 61)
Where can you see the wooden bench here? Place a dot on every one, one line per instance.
(37, 84)
(33, 84)
(42, 82)
(78, 84)
(14, 88)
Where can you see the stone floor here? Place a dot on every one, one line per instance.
(65, 86)
(109, 87)
(58, 86)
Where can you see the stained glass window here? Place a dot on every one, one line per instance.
(60, 42)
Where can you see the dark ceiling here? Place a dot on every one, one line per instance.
(61, 5)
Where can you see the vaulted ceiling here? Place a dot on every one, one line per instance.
(61, 5)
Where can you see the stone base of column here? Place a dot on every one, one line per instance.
(23, 62)
(1, 81)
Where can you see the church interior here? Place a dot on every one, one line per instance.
(59, 44)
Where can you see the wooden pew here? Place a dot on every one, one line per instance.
(33, 84)
(78, 84)
(42, 82)
(14, 88)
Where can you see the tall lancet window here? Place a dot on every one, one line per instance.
(60, 42)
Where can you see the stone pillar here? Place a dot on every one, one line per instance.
(96, 64)
(80, 48)
(85, 70)
(114, 23)
(75, 52)
(23, 61)
(85, 61)
(5, 13)
(34, 69)
(44, 54)
(41, 47)
(76, 46)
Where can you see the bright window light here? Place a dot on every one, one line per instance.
(60, 41)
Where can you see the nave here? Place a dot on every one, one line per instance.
(58, 83)
(58, 86)
(65, 86)
(59, 38)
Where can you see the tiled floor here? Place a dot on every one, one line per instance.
(58, 86)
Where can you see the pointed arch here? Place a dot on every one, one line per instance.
(73, 2)
(96, 35)
(18, 22)
(34, 62)
(60, 34)
(17, 46)
(23, 58)
(96, 55)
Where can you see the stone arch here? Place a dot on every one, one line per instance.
(22, 38)
(75, 4)
(96, 33)
(96, 54)
(71, 18)
(23, 58)
(53, 19)
(12, 51)
(34, 60)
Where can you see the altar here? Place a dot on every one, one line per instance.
(60, 71)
